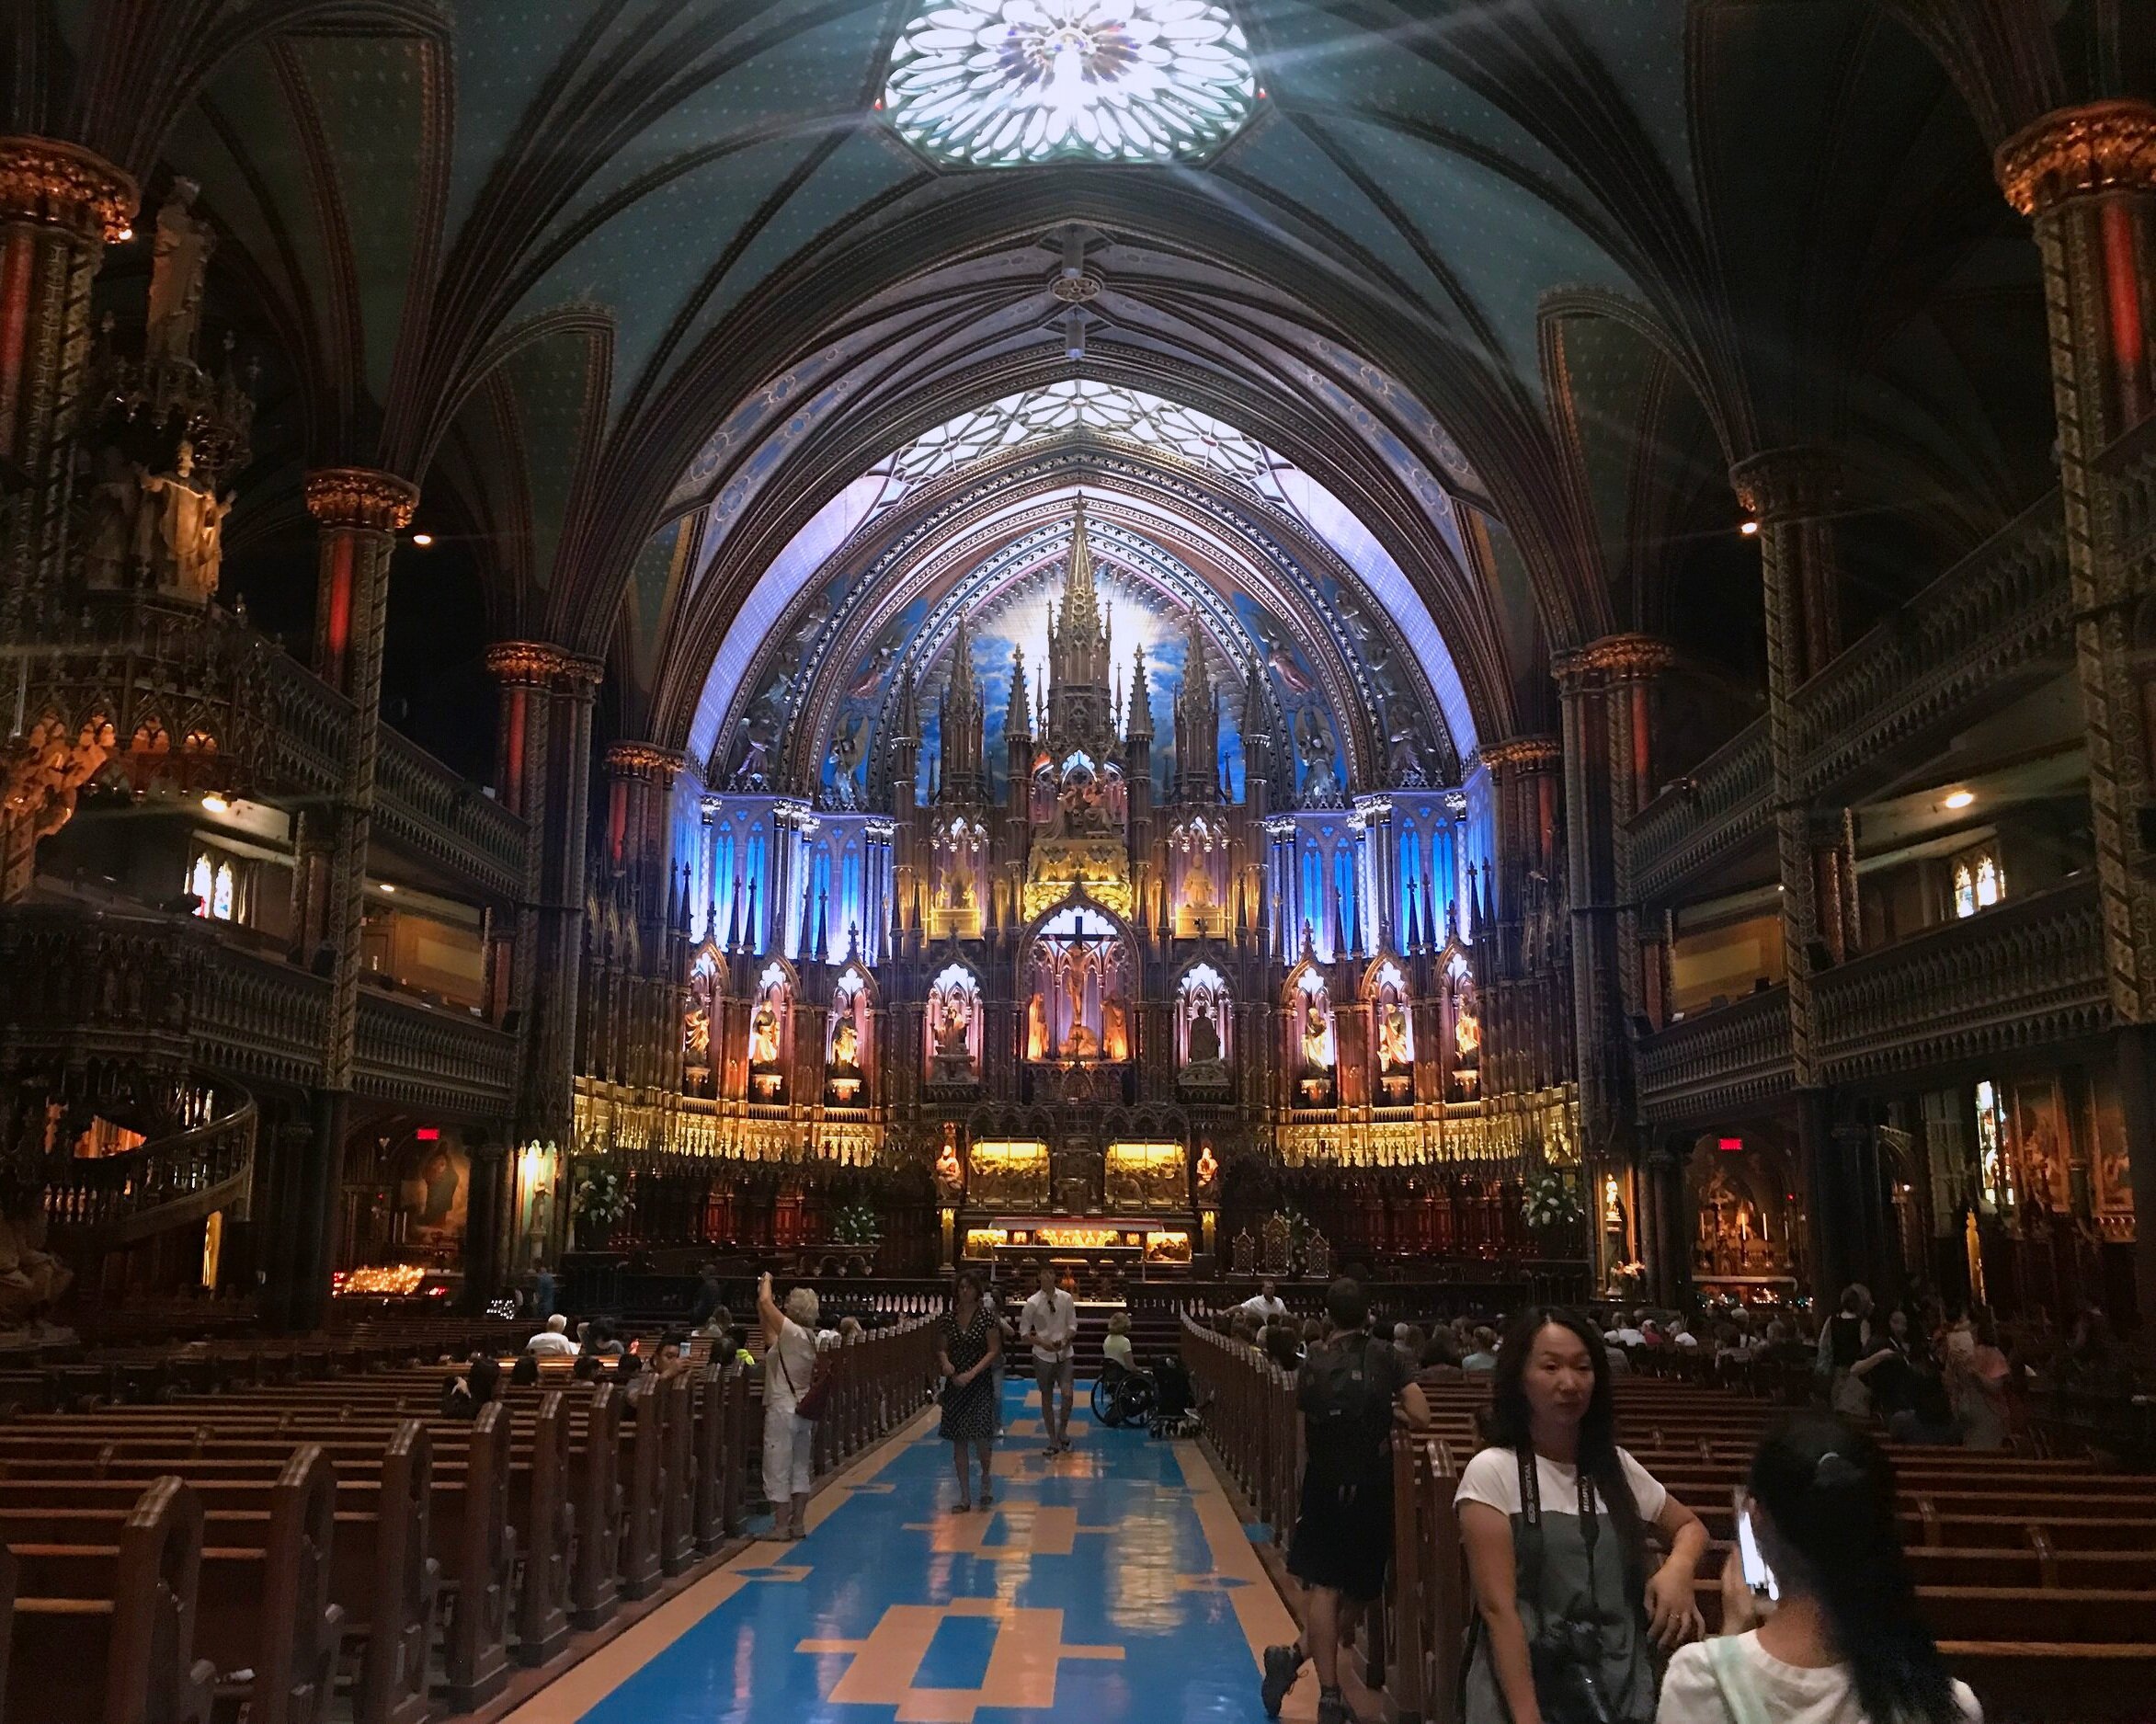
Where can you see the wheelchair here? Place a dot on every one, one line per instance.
(1122, 1397)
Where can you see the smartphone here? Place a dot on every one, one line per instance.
(1757, 1575)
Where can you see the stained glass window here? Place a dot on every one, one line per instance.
(1965, 892)
(199, 882)
(1007, 83)
(221, 899)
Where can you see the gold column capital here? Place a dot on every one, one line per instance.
(1523, 753)
(361, 498)
(42, 179)
(646, 759)
(1799, 483)
(2079, 153)
(530, 664)
(1628, 658)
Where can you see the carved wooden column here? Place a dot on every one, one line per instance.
(526, 671)
(1524, 1047)
(1669, 1209)
(360, 511)
(1605, 689)
(1791, 493)
(2087, 177)
(551, 1041)
(60, 206)
(640, 831)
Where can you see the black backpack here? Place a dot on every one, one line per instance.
(1346, 1397)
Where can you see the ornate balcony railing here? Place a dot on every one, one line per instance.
(424, 805)
(189, 695)
(432, 1057)
(419, 804)
(2026, 974)
(1712, 811)
(75, 979)
(166, 1183)
(2129, 465)
(1999, 614)
(1723, 1061)
(1996, 614)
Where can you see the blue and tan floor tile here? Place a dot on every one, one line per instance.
(1109, 1584)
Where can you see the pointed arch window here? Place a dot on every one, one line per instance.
(203, 883)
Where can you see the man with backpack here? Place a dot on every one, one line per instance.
(1350, 1388)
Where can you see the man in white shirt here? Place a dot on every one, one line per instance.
(553, 1341)
(1266, 1304)
(1050, 1319)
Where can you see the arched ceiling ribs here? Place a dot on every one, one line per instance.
(1727, 408)
(150, 58)
(2001, 55)
(784, 321)
(595, 321)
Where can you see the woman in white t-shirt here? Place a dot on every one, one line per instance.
(1554, 1516)
(790, 1367)
(1844, 1644)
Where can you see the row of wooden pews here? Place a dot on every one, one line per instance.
(2039, 1575)
(304, 1549)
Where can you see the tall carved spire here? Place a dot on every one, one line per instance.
(1079, 710)
(1197, 722)
(964, 724)
(1018, 718)
(1141, 699)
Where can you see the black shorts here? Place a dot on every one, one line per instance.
(1343, 1544)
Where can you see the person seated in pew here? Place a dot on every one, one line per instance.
(464, 1394)
(553, 1341)
(1890, 1370)
(1554, 1515)
(1928, 1421)
(605, 1340)
(1483, 1359)
(1282, 1346)
(525, 1372)
(1840, 1640)
(586, 1369)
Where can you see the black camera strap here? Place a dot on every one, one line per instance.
(1531, 1513)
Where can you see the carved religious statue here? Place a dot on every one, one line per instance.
(1204, 1038)
(950, 1176)
(763, 1035)
(178, 530)
(950, 1029)
(1115, 1031)
(846, 1047)
(1317, 1042)
(1466, 1034)
(1392, 1037)
(1197, 894)
(1037, 1028)
(181, 259)
(1314, 745)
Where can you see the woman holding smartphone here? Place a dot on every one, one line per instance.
(1823, 1628)
(1554, 1515)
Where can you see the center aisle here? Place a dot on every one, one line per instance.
(1110, 1583)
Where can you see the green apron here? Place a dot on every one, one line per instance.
(1565, 1573)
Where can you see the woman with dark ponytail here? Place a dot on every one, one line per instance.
(1844, 1644)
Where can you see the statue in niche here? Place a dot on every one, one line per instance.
(1466, 1034)
(1392, 1037)
(178, 267)
(1037, 1046)
(846, 1047)
(848, 746)
(1404, 755)
(955, 885)
(178, 529)
(952, 1028)
(752, 749)
(1115, 1031)
(1314, 745)
(114, 499)
(763, 1034)
(1317, 1034)
(1197, 894)
(1204, 1037)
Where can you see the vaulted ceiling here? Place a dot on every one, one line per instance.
(1515, 283)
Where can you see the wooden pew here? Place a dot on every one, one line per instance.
(108, 1598)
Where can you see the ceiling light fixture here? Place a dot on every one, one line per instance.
(1959, 798)
(422, 540)
(1750, 530)
(384, 886)
(214, 803)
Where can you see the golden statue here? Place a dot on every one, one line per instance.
(846, 1047)
(763, 1035)
(1036, 1028)
(1115, 1031)
(1392, 1037)
(1316, 1051)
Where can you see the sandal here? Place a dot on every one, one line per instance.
(966, 1506)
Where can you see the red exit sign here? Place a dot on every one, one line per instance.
(1729, 1146)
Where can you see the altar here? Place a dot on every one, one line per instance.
(1134, 1245)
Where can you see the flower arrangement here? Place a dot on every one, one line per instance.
(1550, 1201)
(857, 1224)
(601, 1197)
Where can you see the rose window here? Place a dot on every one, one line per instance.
(1004, 83)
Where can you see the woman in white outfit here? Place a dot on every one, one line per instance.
(790, 1364)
